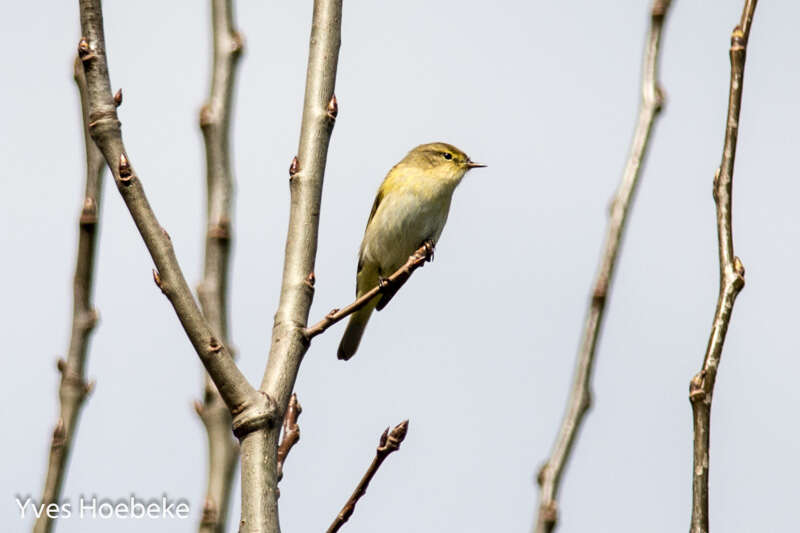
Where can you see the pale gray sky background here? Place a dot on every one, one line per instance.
(478, 348)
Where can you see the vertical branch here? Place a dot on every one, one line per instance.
(74, 388)
(215, 118)
(289, 343)
(731, 278)
(580, 394)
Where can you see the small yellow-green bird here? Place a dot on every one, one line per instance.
(410, 209)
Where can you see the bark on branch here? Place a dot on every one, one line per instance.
(215, 119)
(74, 387)
(731, 278)
(580, 393)
(249, 407)
(388, 443)
(289, 342)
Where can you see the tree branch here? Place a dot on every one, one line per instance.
(74, 388)
(731, 278)
(249, 407)
(289, 343)
(416, 260)
(215, 118)
(580, 394)
(389, 442)
(291, 432)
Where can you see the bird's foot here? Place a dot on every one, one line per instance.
(429, 249)
(383, 282)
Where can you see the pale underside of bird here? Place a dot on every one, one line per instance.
(410, 209)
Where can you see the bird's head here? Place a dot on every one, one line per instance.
(440, 161)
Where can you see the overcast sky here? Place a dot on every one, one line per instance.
(478, 349)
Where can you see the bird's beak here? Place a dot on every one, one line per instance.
(473, 164)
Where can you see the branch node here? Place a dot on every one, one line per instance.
(88, 388)
(390, 440)
(59, 434)
(221, 230)
(124, 170)
(85, 52)
(118, 97)
(738, 268)
(659, 98)
(210, 513)
(206, 116)
(237, 44)
(198, 408)
(214, 346)
(697, 392)
(157, 280)
(258, 413)
(294, 168)
(333, 108)
(88, 212)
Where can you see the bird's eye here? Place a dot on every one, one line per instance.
(448, 156)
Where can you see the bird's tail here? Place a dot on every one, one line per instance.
(354, 331)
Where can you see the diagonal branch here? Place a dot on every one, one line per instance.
(389, 443)
(249, 407)
(731, 278)
(215, 119)
(579, 398)
(74, 388)
(289, 343)
(396, 280)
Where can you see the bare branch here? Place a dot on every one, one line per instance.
(291, 432)
(580, 394)
(223, 450)
(249, 407)
(388, 443)
(731, 278)
(74, 388)
(289, 343)
(396, 280)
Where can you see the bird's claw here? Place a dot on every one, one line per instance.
(429, 249)
(383, 282)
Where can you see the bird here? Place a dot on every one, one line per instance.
(410, 210)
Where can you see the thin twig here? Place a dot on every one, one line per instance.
(415, 260)
(289, 343)
(731, 278)
(291, 432)
(215, 118)
(74, 387)
(580, 394)
(250, 408)
(388, 443)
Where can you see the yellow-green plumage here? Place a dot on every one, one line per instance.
(410, 208)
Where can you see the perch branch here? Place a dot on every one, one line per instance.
(74, 387)
(731, 278)
(289, 343)
(215, 119)
(389, 442)
(249, 408)
(416, 260)
(291, 432)
(580, 394)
